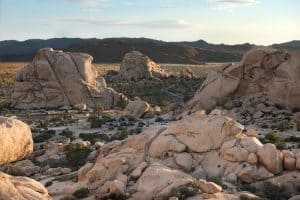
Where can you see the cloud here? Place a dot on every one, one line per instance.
(89, 3)
(230, 4)
(236, 1)
(159, 24)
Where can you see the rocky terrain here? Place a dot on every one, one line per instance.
(63, 136)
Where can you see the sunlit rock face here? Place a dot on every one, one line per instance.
(136, 65)
(272, 73)
(57, 78)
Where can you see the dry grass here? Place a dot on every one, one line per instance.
(9, 69)
(200, 71)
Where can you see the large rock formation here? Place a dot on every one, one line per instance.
(136, 65)
(271, 73)
(154, 163)
(15, 140)
(57, 78)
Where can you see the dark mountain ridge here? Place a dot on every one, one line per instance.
(113, 49)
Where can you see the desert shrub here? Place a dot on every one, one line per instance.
(247, 187)
(76, 155)
(294, 139)
(138, 130)
(274, 191)
(131, 119)
(284, 125)
(67, 133)
(275, 138)
(141, 124)
(63, 118)
(94, 137)
(121, 135)
(81, 193)
(97, 122)
(182, 192)
(49, 183)
(160, 92)
(42, 137)
(218, 181)
(67, 198)
(159, 119)
(278, 106)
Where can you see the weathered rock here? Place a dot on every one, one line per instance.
(164, 144)
(137, 108)
(290, 181)
(22, 168)
(251, 173)
(57, 171)
(252, 158)
(53, 151)
(263, 70)
(139, 170)
(136, 65)
(297, 197)
(235, 154)
(204, 133)
(298, 161)
(209, 187)
(21, 188)
(57, 78)
(289, 160)
(158, 180)
(184, 160)
(15, 140)
(251, 144)
(270, 158)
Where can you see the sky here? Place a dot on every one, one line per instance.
(216, 21)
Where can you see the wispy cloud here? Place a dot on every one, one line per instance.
(230, 4)
(159, 24)
(91, 4)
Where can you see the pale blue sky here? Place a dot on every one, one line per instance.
(217, 21)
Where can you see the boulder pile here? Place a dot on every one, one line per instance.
(271, 73)
(161, 160)
(57, 78)
(136, 66)
(15, 144)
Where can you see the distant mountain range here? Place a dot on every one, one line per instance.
(113, 49)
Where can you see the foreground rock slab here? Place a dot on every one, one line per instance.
(164, 160)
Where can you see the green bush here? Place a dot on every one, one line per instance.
(67, 133)
(81, 193)
(182, 192)
(42, 137)
(49, 183)
(275, 138)
(294, 139)
(274, 191)
(76, 155)
(94, 137)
